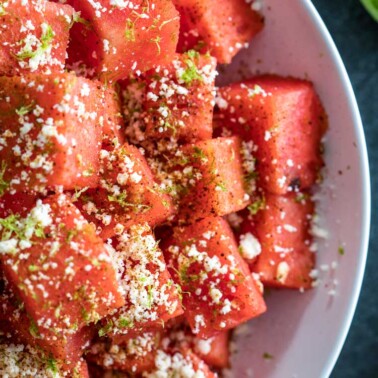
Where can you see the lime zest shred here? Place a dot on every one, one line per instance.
(257, 205)
(45, 43)
(23, 110)
(4, 185)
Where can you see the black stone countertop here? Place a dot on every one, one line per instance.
(356, 36)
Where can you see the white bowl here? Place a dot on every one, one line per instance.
(305, 332)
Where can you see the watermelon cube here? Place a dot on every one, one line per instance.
(285, 120)
(50, 132)
(282, 228)
(219, 27)
(135, 355)
(34, 36)
(179, 98)
(212, 178)
(66, 349)
(173, 362)
(118, 38)
(218, 289)
(127, 194)
(18, 360)
(215, 350)
(150, 294)
(58, 267)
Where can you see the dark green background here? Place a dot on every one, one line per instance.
(356, 36)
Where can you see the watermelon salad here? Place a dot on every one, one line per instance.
(143, 209)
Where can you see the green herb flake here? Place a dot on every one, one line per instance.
(78, 193)
(39, 232)
(3, 184)
(33, 268)
(23, 110)
(10, 225)
(77, 18)
(85, 314)
(191, 72)
(198, 154)
(301, 197)
(33, 329)
(106, 329)
(341, 250)
(52, 365)
(125, 323)
(71, 234)
(2, 10)
(88, 172)
(222, 187)
(57, 311)
(130, 31)
(45, 43)
(257, 205)
(157, 41)
(267, 356)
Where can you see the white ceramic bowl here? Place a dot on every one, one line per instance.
(305, 332)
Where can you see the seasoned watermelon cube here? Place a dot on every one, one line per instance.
(284, 118)
(135, 355)
(213, 178)
(218, 289)
(173, 362)
(58, 267)
(219, 27)
(282, 227)
(150, 294)
(34, 36)
(127, 194)
(67, 349)
(180, 98)
(18, 360)
(49, 131)
(117, 38)
(215, 350)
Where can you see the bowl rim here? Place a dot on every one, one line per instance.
(333, 52)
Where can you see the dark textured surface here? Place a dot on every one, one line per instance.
(356, 36)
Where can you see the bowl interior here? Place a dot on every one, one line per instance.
(304, 333)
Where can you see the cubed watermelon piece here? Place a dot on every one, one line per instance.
(174, 362)
(34, 36)
(18, 326)
(18, 360)
(58, 267)
(128, 193)
(219, 27)
(282, 227)
(284, 118)
(180, 98)
(117, 38)
(49, 131)
(215, 350)
(151, 296)
(204, 179)
(213, 179)
(134, 355)
(218, 289)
